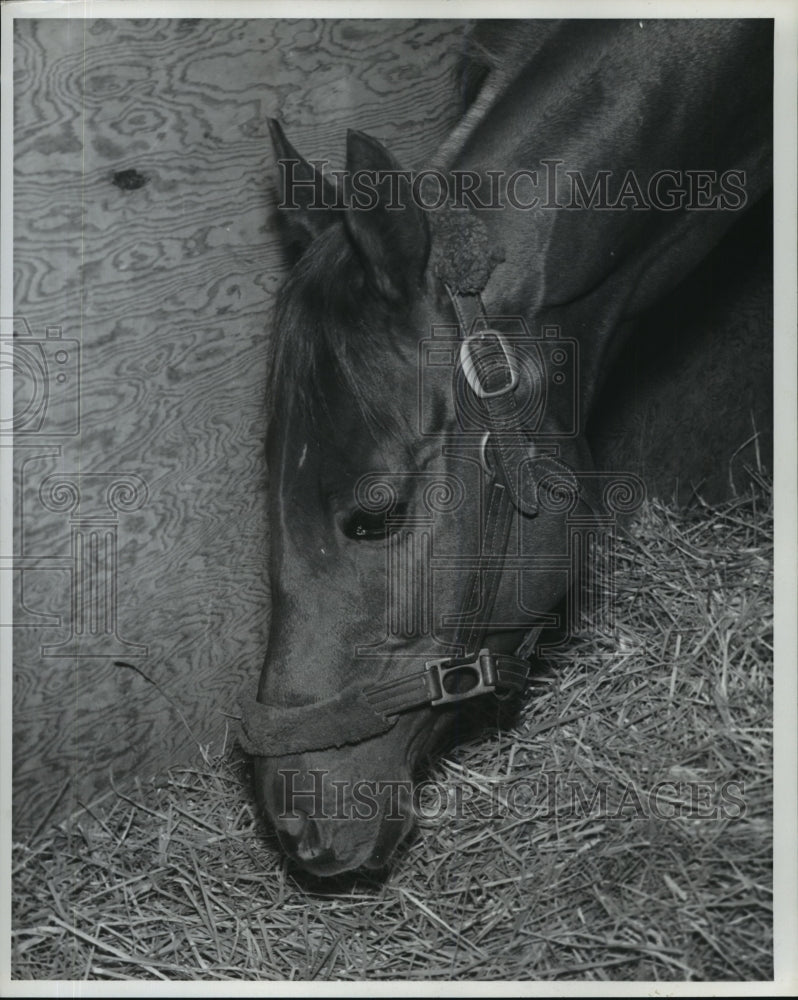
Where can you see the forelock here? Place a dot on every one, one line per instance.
(332, 331)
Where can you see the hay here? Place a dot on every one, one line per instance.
(563, 863)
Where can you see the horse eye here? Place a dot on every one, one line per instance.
(369, 526)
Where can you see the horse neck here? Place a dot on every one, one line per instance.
(592, 272)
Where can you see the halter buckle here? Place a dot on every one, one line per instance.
(451, 680)
(469, 367)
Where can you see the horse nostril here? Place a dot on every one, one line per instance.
(303, 836)
(291, 826)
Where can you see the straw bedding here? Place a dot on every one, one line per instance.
(620, 829)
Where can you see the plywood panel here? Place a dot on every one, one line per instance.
(144, 232)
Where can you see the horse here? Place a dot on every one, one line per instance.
(450, 348)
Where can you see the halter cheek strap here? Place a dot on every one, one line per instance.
(358, 713)
(514, 468)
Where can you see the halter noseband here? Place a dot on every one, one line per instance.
(360, 712)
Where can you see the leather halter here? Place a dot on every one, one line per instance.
(360, 712)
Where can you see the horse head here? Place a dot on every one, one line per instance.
(414, 456)
(437, 369)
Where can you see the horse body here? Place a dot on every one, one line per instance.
(609, 103)
(628, 98)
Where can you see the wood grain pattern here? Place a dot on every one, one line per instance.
(166, 279)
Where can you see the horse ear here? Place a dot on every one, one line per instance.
(393, 242)
(306, 196)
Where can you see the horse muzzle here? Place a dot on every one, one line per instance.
(329, 818)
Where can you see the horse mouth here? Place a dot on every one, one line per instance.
(330, 867)
(326, 846)
(332, 861)
(346, 811)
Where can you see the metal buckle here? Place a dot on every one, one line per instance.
(470, 370)
(483, 455)
(477, 671)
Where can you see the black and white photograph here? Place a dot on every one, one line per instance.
(398, 539)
